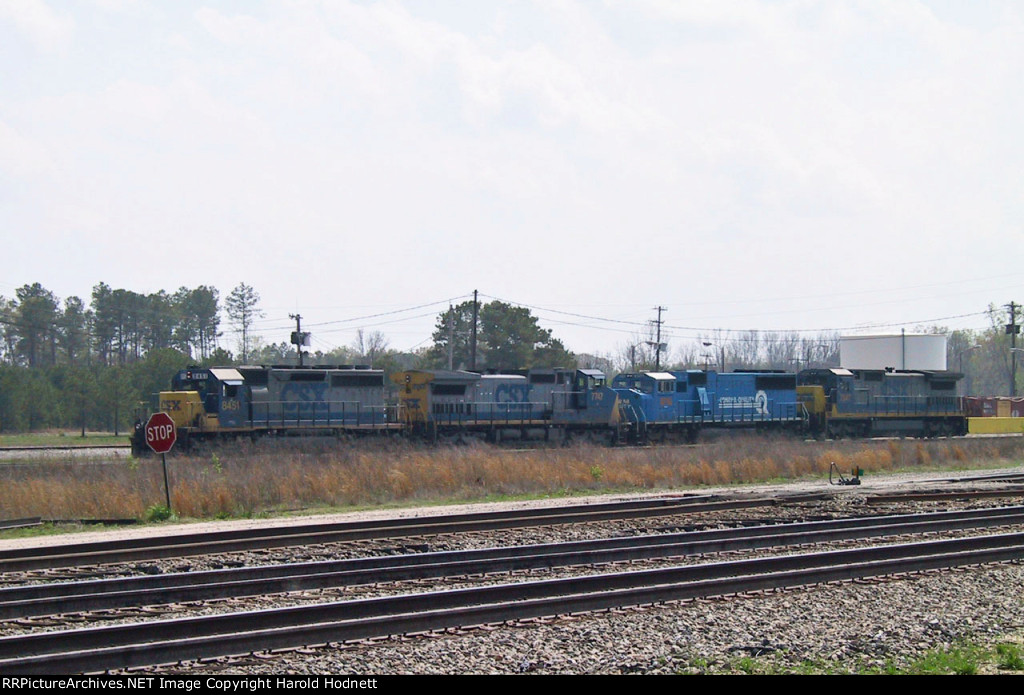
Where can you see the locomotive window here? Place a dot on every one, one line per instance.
(256, 377)
(680, 387)
(542, 378)
(304, 376)
(779, 382)
(356, 380)
(230, 391)
(448, 389)
(699, 379)
(665, 386)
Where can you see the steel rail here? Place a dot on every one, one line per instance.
(933, 496)
(61, 598)
(125, 646)
(981, 478)
(38, 557)
(239, 534)
(66, 447)
(20, 523)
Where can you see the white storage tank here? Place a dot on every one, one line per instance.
(903, 351)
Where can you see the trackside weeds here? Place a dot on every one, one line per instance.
(246, 479)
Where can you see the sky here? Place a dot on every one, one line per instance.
(842, 165)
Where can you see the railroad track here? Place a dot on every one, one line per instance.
(155, 642)
(944, 495)
(170, 641)
(134, 592)
(52, 557)
(218, 542)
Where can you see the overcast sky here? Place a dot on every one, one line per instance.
(747, 165)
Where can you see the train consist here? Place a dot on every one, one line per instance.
(559, 404)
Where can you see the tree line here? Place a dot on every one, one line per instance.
(118, 327)
(72, 364)
(96, 366)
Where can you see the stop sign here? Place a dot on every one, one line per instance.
(160, 433)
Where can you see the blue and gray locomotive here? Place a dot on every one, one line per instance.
(219, 402)
(880, 403)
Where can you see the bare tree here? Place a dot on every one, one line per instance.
(370, 346)
(243, 308)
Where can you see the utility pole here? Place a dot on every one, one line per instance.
(298, 337)
(472, 340)
(657, 341)
(1012, 329)
(451, 336)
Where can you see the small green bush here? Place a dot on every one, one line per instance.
(158, 512)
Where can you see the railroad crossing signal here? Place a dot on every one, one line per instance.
(160, 433)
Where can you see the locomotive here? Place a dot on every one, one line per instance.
(874, 402)
(672, 405)
(559, 404)
(220, 402)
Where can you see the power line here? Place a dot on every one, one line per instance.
(385, 313)
(706, 329)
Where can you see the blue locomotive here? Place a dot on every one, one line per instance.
(876, 402)
(213, 403)
(677, 405)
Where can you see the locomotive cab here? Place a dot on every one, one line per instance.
(589, 404)
(585, 383)
(651, 396)
(206, 399)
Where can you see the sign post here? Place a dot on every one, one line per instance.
(160, 436)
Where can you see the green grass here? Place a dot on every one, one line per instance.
(961, 659)
(1009, 657)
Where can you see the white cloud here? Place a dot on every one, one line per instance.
(47, 29)
(20, 158)
(115, 5)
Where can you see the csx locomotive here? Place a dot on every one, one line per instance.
(559, 404)
(224, 402)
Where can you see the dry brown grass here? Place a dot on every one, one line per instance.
(248, 480)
